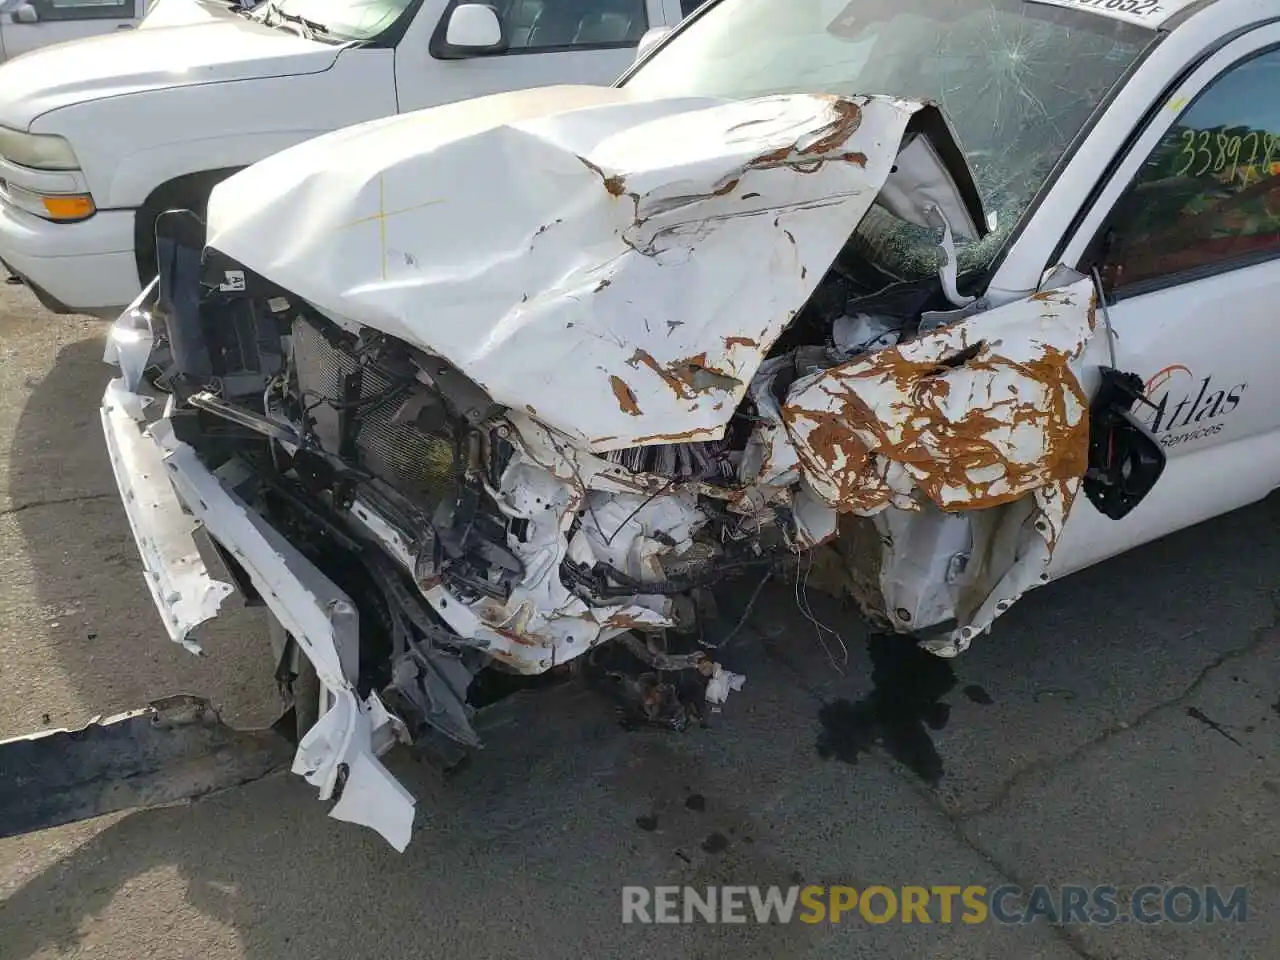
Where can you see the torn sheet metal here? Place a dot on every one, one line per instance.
(986, 419)
(339, 754)
(613, 273)
(656, 248)
(543, 622)
(180, 584)
(1028, 530)
(973, 415)
(130, 339)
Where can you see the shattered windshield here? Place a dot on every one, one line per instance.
(1017, 80)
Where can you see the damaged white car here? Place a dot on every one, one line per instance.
(942, 288)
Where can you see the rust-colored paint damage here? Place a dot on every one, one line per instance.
(689, 436)
(626, 621)
(614, 185)
(806, 155)
(626, 396)
(975, 415)
(801, 155)
(848, 119)
(518, 638)
(689, 377)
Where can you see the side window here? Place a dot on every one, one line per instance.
(48, 10)
(688, 6)
(532, 25)
(1208, 197)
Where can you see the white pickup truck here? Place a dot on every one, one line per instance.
(28, 24)
(99, 136)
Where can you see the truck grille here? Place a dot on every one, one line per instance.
(417, 464)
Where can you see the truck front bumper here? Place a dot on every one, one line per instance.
(167, 493)
(87, 267)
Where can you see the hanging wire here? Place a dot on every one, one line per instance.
(820, 628)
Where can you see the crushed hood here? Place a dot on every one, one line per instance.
(181, 43)
(616, 267)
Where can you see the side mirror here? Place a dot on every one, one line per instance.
(25, 13)
(651, 39)
(473, 29)
(1125, 459)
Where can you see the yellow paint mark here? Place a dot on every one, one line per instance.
(1177, 103)
(382, 222)
(386, 216)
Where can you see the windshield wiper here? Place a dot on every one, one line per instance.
(311, 28)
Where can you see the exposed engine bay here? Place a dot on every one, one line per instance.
(470, 534)
(338, 445)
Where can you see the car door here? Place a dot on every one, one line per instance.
(547, 42)
(28, 24)
(1186, 239)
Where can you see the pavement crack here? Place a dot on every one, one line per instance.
(1261, 636)
(1005, 874)
(1068, 937)
(56, 502)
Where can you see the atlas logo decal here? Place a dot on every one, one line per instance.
(1185, 407)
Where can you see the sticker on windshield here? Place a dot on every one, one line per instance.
(1145, 13)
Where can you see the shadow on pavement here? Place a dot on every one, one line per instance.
(523, 853)
(84, 572)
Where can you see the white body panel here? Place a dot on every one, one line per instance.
(571, 227)
(423, 81)
(73, 22)
(1206, 350)
(198, 88)
(197, 45)
(1219, 423)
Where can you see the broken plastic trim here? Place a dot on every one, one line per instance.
(339, 754)
(175, 574)
(178, 748)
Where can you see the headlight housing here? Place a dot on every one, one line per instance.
(39, 151)
(58, 207)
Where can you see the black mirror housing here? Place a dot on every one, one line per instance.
(1125, 459)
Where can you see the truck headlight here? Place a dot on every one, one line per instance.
(58, 207)
(39, 151)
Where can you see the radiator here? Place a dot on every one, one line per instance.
(417, 464)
